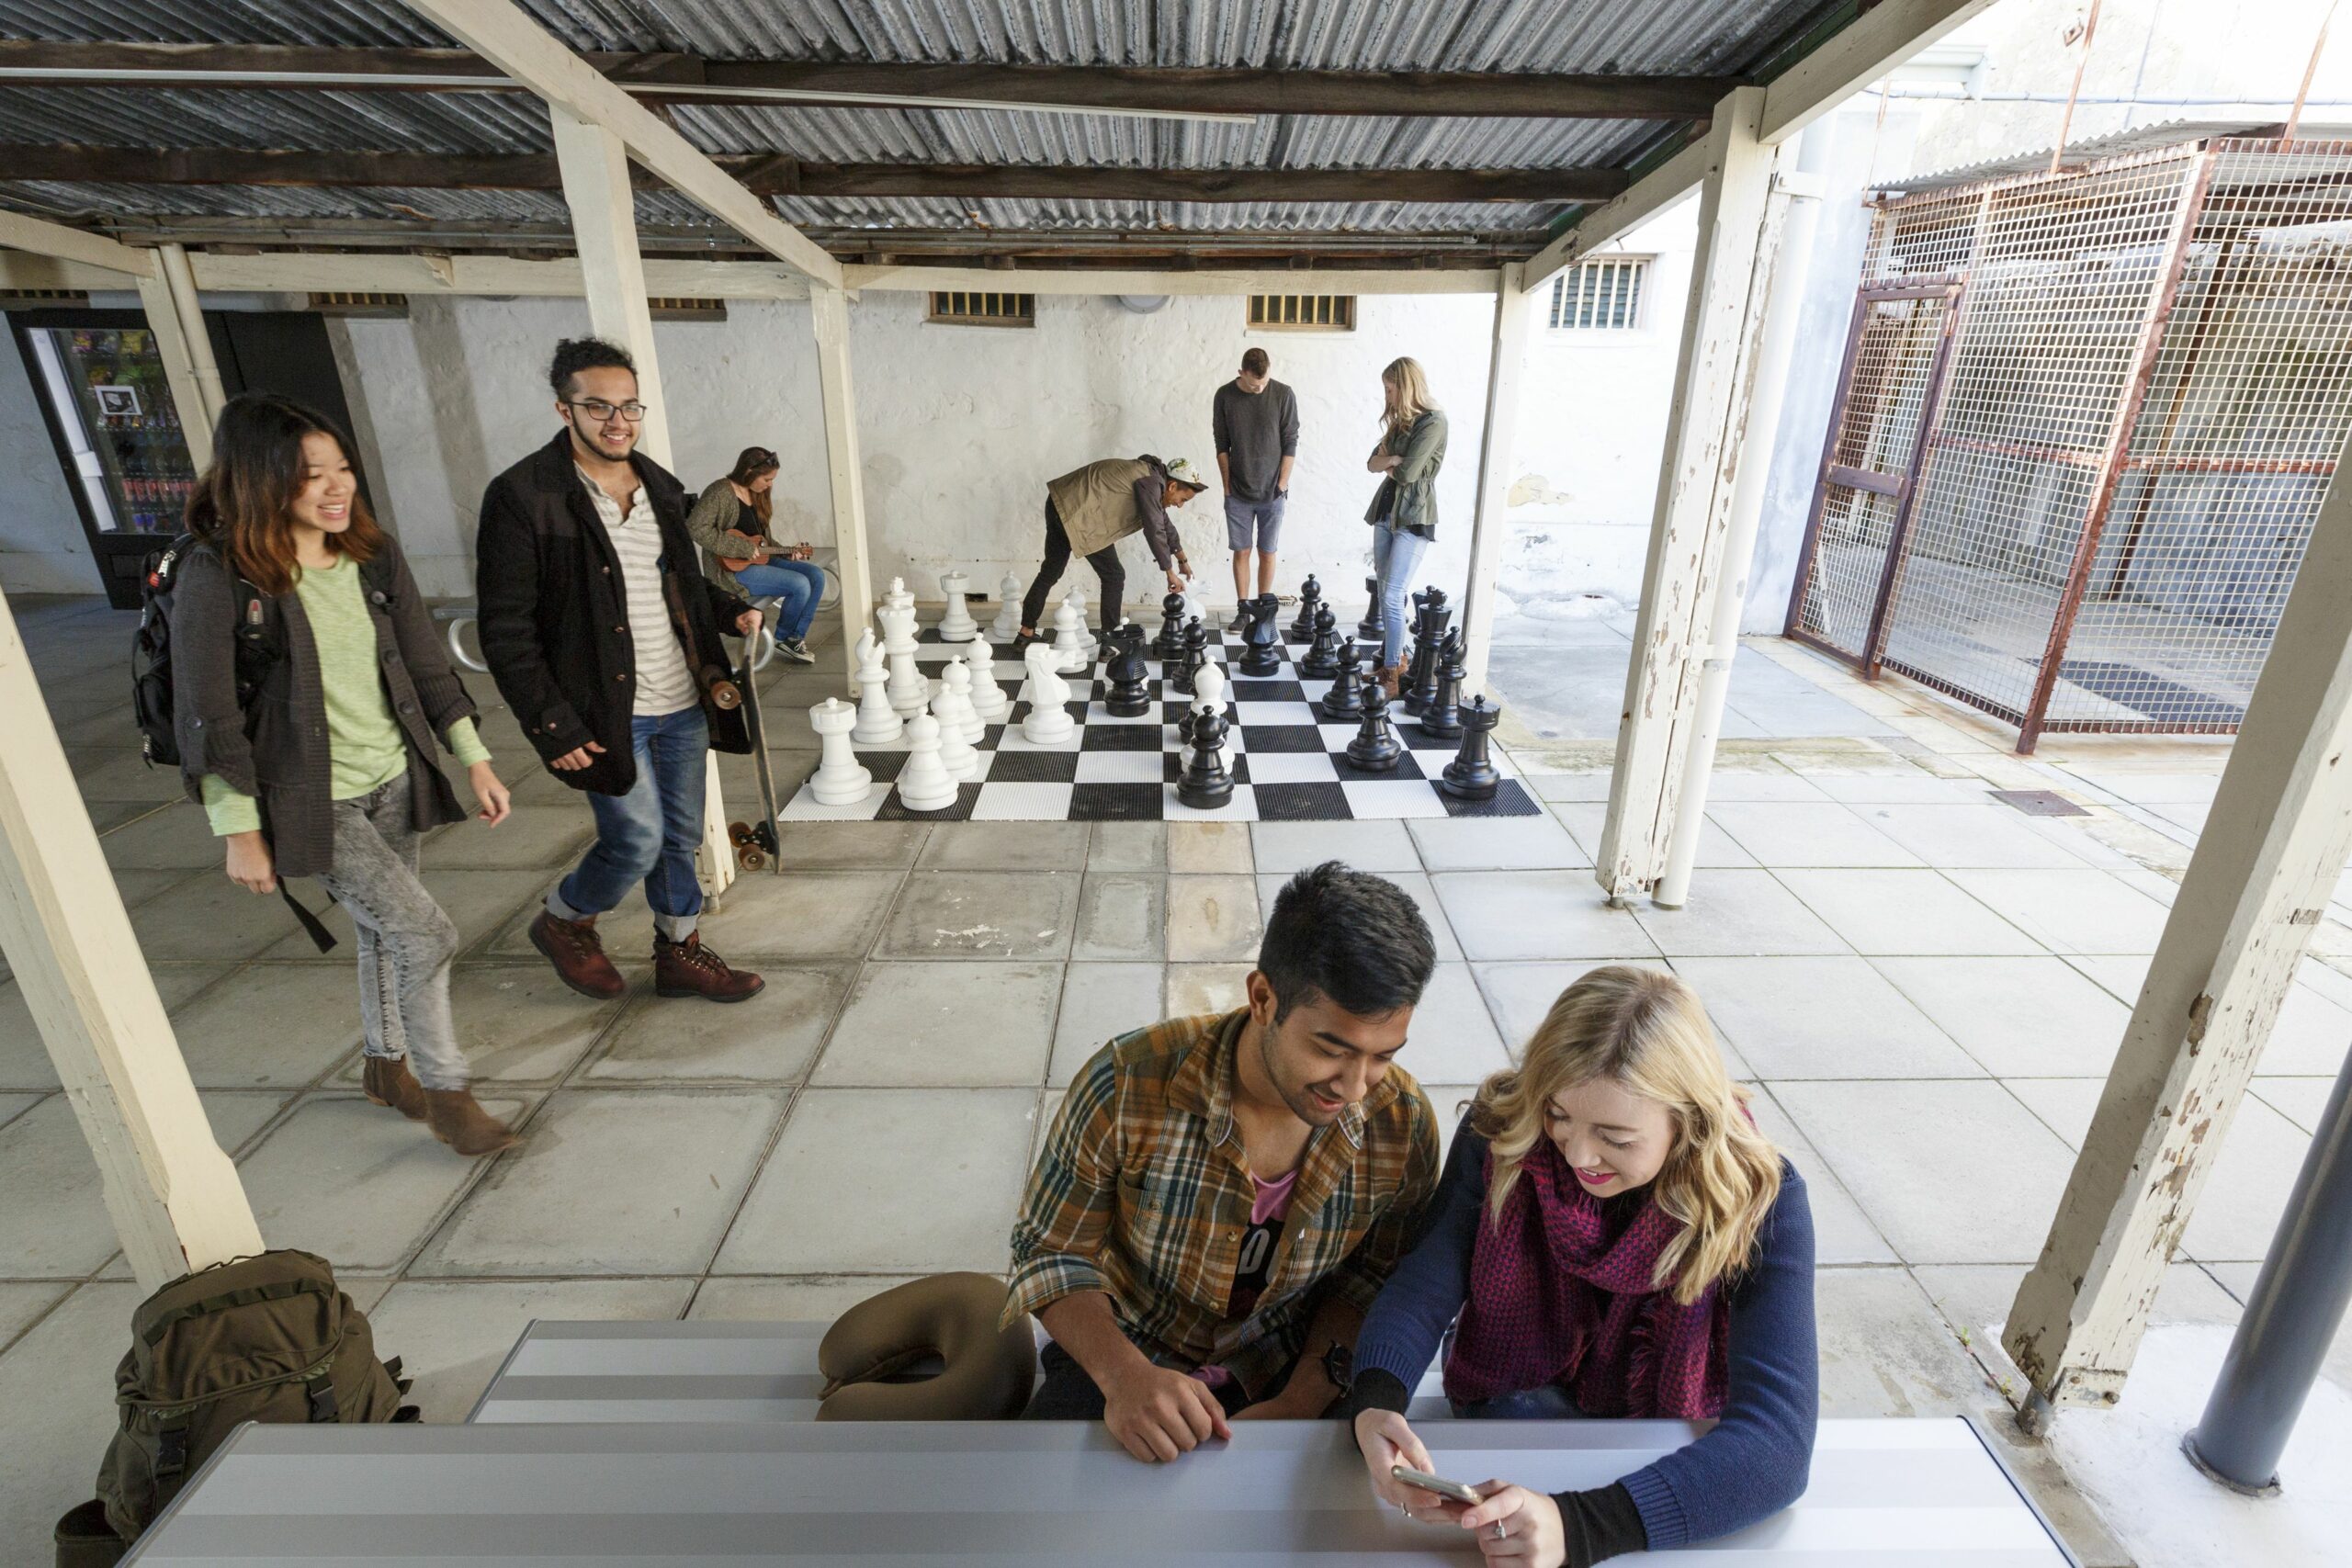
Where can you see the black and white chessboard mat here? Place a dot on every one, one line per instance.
(1288, 765)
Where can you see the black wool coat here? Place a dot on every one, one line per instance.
(554, 613)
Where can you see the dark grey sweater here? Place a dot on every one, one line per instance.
(1255, 430)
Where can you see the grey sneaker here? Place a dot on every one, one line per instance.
(796, 650)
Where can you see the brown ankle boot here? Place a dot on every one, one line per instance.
(387, 1081)
(689, 969)
(1391, 677)
(458, 1120)
(578, 954)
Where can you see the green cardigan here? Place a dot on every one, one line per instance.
(1408, 492)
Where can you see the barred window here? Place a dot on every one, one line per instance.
(1303, 312)
(1601, 295)
(355, 304)
(984, 310)
(680, 308)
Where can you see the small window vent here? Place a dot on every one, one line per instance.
(1303, 312)
(382, 305)
(1601, 296)
(984, 310)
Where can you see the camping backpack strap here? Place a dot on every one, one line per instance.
(171, 1446)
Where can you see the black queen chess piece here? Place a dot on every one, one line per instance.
(1128, 691)
(1471, 775)
(1206, 782)
(1419, 686)
(1190, 656)
(1376, 749)
(1442, 717)
(1344, 701)
(1322, 660)
(1370, 630)
(1170, 640)
(1310, 599)
(1262, 641)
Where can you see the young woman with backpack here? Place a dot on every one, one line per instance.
(323, 765)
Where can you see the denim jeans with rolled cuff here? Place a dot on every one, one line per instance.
(1395, 556)
(649, 835)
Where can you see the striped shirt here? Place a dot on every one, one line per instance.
(663, 683)
(1142, 1192)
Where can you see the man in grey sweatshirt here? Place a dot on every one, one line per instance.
(1257, 440)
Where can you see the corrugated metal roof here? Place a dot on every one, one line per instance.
(2115, 145)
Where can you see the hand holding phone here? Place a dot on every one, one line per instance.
(1435, 1484)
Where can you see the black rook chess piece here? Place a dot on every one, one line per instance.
(1322, 660)
(1419, 686)
(1376, 748)
(1369, 629)
(1206, 783)
(1471, 775)
(1189, 658)
(1170, 640)
(1442, 717)
(1310, 599)
(1127, 694)
(1264, 654)
(1345, 699)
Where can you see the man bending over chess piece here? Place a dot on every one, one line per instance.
(1090, 509)
(1150, 1241)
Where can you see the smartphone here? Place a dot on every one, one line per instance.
(1439, 1485)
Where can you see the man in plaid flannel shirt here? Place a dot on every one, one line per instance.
(1221, 1197)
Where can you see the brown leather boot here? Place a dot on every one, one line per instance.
(578, 954)
(457, 1119)
(689, 969)
(387, 1081)
(1391, 678)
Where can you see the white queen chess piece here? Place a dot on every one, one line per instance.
(988, 700)
(1069, 637)
(840, 779)
(1047, 722)
(951, 706)
(1006, 627)
(957, 624)
(925, 784)
(955, 753)
(879, 722)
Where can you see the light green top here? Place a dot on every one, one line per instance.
(364, 744)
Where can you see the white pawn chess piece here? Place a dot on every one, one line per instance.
(951, 705)
(955, 753)
(988, 700)
(1070, 638)
(879, 722)
(1047, 722)
(1085, 633)
(925, 784)
(1007, 625)
(957, 624)
(840, 779)
(1208, 696)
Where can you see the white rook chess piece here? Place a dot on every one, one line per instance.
(879, 722)
(925, 784)
(951, 706)
(840, 779)
(988, 700)
(1048, 723)
(1069, 637)
(1007, 625)
(957, 625)
(955, 753)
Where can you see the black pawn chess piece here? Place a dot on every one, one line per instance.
(1344, 701)
(1127, 694)
(1419, 688)
(1471, 775)
(1206, 783)
(1322, 660)
(1310, 599)
(1376, 748)
(1442, 717)
(1170, 640)
(1370, 629)
(1263, 651)
(1189, 658)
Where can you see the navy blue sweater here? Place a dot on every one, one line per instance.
(1754, 1462)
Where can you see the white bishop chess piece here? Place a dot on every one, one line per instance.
(1048, 723)
(988, 700)
(879, 722)
(1006, 627)
(840, 779)
(957, 624)
(925, 784)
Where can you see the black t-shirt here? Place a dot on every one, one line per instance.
(1258, 1244)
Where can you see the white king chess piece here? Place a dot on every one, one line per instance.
(897, 597)
(1006, 627)
(879, 722)
(840, 779)
(957, 624)
(925, 784)
(1048, 723)
(988, 700)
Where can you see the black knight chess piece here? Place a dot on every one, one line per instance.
(1189, 658)
(1322, 660)
(1471, 775)
(1376, 748)
(1206, 782)
(1442, 717)
(1344, 701)
(1310, 599)
(1263, 654)
(1419, 686)
(1370, 629)
(1170, 640)
(1127, 694)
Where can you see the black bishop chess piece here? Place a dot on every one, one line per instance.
(1442, 717)
(1191, 656)
(1376, 748)
(1471, 775)
(1170, 640)
(1344, 701)
(1127, 689)
(1322, 660)
(1262, 649)
(1370, 629)
(1206, 782)
(1310, 599)
(1418, 688)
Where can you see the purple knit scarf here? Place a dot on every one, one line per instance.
(1556, 1298)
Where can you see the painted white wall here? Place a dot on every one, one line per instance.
(42, 547)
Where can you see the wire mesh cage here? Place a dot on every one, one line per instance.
(2084, 426)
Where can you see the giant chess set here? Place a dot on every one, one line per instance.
(1263, 721)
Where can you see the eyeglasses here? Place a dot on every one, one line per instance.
(600, 411)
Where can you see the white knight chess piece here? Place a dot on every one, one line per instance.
(1047, 722)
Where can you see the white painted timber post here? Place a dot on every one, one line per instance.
(174, 1195)
(2273, 845)
(1505, 374)
(180, 278)
(828, 318)
(1730, 280)
(593, 166)
(196, 414)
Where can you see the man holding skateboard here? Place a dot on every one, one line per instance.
(604, 638)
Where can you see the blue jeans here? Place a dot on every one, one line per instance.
(650, 833)
(1550, 1403)
(799, 583)
(1395, 556)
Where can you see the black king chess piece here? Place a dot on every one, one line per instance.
(1471, 775)
(1128, 691)
(1205, 785)
(1310, 599)
(1418, 688)
(1344, 701)
(1191, 656)
(1369, 629)
(1263, 639)
(1170, 640)
(1442, 717)
(1376, 748)
(1322, 660)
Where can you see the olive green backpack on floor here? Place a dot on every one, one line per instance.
(264, 1339)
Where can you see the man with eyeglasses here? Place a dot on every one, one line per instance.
(606, 640)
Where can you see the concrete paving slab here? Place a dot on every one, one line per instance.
(1127, 846)
(1453, 1038)
(1099, 1002)
(799, 914)
(1906, 784)
(2071, 911)
(481, 902)
(1907, 912)
(24, 1057)
(1968, 837)
(1732, 913)
(771, 1038)
(1826, 1017)
(270, 1026)
(1717, 850)
(178, 838)
(1416, 884)
(2018, 1016)
(1122, 915)
(1496, 843)
(944, 1023)
(1518, 995)
(1213, 919)
(521, 1025)
(1209, 848)
(2299, 1101)
(1206, 987)
(57, 1385)
(843, 846)
(23, 1303)
(210, 920)
(1807, 833)
(1282, 848)
(1535, 915)
(1841, 1232)
(452, 1337)
(1885, 1352)
(533, 837)
(1005, 846)
(792, 1298)
(971, 914)
(2309, 1038)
